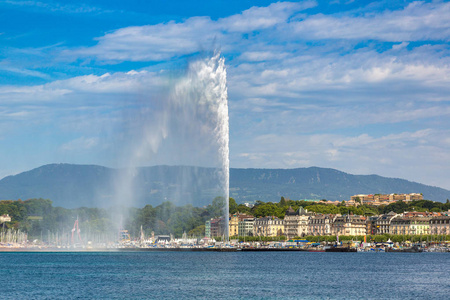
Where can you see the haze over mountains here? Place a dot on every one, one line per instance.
(72, 186)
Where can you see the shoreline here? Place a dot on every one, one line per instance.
(105, 250)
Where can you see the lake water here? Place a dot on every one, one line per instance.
(212, 275)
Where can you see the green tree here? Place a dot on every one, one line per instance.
(232, 205)
(268, 209)
(198, 231)
(244, 209)
(215, 209)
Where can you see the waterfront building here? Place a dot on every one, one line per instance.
(371, 226)
(320, 224)
(413, 225)
(246, 227)
(420, 226)
(268, 226)
(383, 223)
(234, 223)
(296, 222)
(217, 227)
(440, 225)
(208, 228)
(349, 225)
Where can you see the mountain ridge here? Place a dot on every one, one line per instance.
(70, 185)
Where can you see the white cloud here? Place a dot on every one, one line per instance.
(352, 77)
(168, 40)
(274, 24)
(58, 91)
(400, 155)
(257, 18)
(153, 42)
(254, 56)
(55, 7)
(80, 144)
(25, 72)
(417, 22)
(300, 92)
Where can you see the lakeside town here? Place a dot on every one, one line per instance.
(301, 223)
(408, 222)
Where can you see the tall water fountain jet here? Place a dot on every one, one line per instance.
(187, 125)
(202, 94)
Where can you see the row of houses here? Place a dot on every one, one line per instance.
(382, 199)
(302, 223)
(374, 199)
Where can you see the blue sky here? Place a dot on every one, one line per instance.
(363, 87)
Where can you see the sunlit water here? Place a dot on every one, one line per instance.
(211, 275)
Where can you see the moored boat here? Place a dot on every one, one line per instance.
(341, 249)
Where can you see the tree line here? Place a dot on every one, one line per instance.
(278, 209)
(38, 217)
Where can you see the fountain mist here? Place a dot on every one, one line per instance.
(188, 125)
(202, 94)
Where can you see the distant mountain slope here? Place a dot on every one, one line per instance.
(320, 183)
(89, 185)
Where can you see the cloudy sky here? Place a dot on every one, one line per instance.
(356, 86)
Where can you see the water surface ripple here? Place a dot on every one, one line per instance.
(211, 275)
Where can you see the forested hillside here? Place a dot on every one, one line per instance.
(72, 186)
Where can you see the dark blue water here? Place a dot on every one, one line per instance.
(200, 275)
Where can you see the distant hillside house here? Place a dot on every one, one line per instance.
(385, 199)
(5, 218)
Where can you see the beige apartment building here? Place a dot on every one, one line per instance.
(268, 226)
(296, 222)
(349, 225)
(440, 225)
(410, 226)
(234, 223)
(246, 227)
(383, 223)
(320, 224)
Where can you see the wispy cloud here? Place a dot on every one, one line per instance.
(273, 24)
(365, 91)
(167, 40)
(54, 6)
(25, 72)
(392, 155)
(419, 21)
(80, 144)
